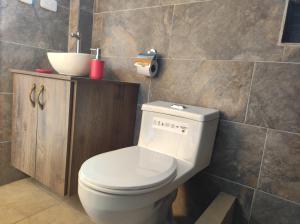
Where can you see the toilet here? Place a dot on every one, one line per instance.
(137, 185)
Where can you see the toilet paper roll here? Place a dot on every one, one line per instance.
(149, 71)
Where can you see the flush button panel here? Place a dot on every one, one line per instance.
(178, 107)
(170, 125)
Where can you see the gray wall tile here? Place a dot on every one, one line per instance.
(81, 19)
(24, 33)
(7, 172)
(5, 117)
(174, 2)
(281, 166)
(227, 29)
(271, 210)
(73, 24)
(87, 5)
(122, 35)
(85, 28)
(211, 33)
(217, 84)
(65, 3)
(274, 94)
(97, 30)
(112, 5)
(238, 152)
(122, 69)
(19, 57)
(291, 54)
(34, 26)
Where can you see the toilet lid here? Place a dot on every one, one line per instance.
(131, 168)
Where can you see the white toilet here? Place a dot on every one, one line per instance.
(136, 185)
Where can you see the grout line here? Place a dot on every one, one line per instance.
(250, 88)
(241, 123)
(199, 59)
(6, 93)
(283, 131)
(154, 6)
(149, 91)
(279, 197)
(181, 59)
(26, 45)
(188, 3)
(262, 159)
(45, 190)
(283, 53)
(171, 31)
(4, 142)
(94, 7)
(35, 214)
(227, 180)
(259, 174)
(252, 204)
(85, 10)
(256, 126)
(129, 10)
(278, 62)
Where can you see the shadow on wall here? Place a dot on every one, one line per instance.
(195, 196)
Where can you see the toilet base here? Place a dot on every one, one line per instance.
(159, 212)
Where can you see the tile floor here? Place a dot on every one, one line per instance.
(27, 202)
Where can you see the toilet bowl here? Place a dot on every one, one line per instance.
(137, 185)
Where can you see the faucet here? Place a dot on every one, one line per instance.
(77, 36)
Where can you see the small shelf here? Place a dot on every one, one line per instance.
(290, 32)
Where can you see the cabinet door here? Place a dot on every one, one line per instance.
(53, 133)
(24, 123)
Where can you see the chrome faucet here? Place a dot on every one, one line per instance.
(78, 40)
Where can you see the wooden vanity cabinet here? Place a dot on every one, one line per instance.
(59, 121)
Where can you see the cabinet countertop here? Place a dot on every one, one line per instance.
(67, 77)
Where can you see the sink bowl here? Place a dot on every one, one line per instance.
(73, 64)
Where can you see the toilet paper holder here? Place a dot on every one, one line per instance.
(146, 63)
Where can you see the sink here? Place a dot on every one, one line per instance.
(73, 64)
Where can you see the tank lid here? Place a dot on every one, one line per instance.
(182, 110)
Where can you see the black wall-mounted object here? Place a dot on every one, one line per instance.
(291, 26)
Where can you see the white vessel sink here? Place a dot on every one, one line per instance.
(73, 64)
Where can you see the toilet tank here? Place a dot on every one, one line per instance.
(181, 131)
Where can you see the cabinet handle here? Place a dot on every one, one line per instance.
(42, 105)
(32, 101)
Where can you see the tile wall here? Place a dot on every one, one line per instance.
(26, 33)
(221, 54)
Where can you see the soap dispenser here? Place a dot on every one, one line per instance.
(97, 66)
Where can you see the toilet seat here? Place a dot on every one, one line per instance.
(127, 171)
